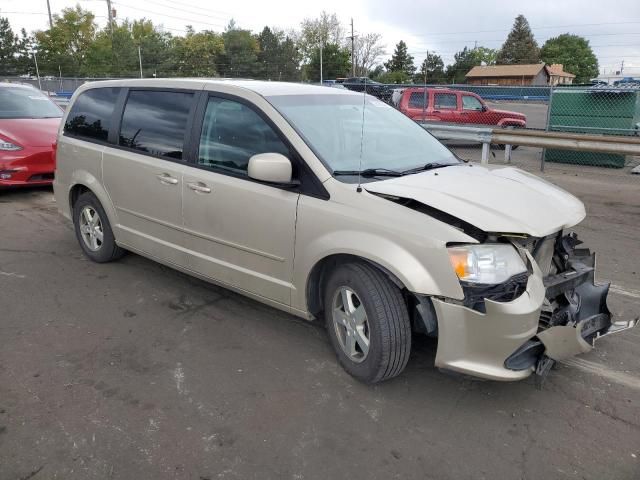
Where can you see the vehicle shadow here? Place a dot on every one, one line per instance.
(12, 194)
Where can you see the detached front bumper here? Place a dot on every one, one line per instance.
(558, 316)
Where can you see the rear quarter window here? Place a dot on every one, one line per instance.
(90, 114)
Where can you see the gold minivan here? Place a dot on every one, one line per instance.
(327, 203)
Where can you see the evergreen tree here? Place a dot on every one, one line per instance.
(336, 62)
(8, 48)
(401, 61)
(432, 69)
(278, 58)
(463, 61)
(520, 46)
(240, 58)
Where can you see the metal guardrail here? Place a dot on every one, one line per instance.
(584, 142)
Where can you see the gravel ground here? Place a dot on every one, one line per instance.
(131, 370)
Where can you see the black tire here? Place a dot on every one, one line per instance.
(107, 251)
(389, 327)
(502, 146)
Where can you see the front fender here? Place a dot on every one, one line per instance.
(435, 278)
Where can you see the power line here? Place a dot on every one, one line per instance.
(217, 25)
(534, 28)
(180, 9)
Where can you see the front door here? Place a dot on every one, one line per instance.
(238, 231)
(473, 110)
(144, 175)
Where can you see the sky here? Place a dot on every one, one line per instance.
(440, 26)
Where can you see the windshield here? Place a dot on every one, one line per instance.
(21, 102)
(332, 126)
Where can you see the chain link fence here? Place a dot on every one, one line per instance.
(597, 109)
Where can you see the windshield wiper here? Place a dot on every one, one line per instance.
(428, 166)
(370, 172)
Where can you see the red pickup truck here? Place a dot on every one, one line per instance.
(454, 106)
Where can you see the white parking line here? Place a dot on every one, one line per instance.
(605, 372)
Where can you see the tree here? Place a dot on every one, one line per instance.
(322, 30)
(196, 54)
(463, 61)
(66, 44)
(154, 45)
(8, 48)
(520, 46)
(278, 58)
(367, 51)
(240, 53)
(485, 56)
(336, 62)
(402, 62)
(574, 53)
(432, 69)
(114, 51)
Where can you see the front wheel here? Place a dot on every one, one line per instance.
(367, 322)
(502, 146)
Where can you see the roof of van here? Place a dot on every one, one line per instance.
(261, 87)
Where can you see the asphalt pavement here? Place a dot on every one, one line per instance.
(131, 370)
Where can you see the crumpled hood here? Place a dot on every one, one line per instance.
(492, 198)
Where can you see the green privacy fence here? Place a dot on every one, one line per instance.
(595, 110)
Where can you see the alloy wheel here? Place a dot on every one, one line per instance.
(351, 324)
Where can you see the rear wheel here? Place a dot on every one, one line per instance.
(93, 230)
(367, 322)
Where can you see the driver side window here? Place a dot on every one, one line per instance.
(232, 133)
(471, 103)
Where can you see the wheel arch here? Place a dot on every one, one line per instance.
(512, 122)
(314, 289)
(82, 182)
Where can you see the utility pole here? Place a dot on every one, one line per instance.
(35, 59)
(50, 18)
(110, 13)
(353, 60)
(622, 67)
(140, 60)
(320, 62)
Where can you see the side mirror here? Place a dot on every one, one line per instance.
(270, 167)
(484, 108)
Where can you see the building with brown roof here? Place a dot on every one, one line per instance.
(537, 74)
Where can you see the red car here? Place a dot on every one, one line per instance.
(29, 123)
(454, 106)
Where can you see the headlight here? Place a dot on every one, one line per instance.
(490, 263)
(8, 146)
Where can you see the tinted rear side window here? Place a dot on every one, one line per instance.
(155, 122)
(446, 101)
(417, 100)
(90, 114)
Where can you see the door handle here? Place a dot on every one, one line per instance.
(199, 187)
(167, 179)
